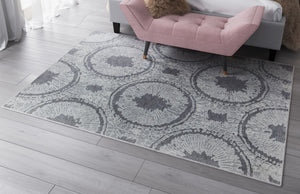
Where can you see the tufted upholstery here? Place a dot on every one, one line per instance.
(194, 31)
(195, 26)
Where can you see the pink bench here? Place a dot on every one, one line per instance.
(212, 34)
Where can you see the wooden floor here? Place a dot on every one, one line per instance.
(40, 157)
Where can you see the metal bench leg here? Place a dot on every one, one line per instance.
(147, 44)
(272, 54)
(116, 27)
(225, 65)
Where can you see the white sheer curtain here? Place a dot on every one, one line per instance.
(37, 12)
(11, 22)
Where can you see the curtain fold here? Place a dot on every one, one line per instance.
(42, 11)
(11, 22)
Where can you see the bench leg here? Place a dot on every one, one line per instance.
(147, 44)
(225, 65)
(116, 27)
(272, 54)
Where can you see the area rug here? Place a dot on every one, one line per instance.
(176, 102)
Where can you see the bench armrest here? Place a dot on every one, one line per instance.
(137, 14)
(243, 25)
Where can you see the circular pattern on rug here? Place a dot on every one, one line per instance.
(180, 54)
(207, 148)
(241, 87)
(118, 62)
(264, 132)
(72, 112)
(278, 72)
(57, 79)
(152, 104)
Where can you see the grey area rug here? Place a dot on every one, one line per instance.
(176, 102)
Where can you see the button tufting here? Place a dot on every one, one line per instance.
(195, 31)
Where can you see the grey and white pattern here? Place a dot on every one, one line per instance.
(207, 147)
(177, 102)
(54, 80)
(104, 62)
(268, 134)
(73, 112)
(180, 54)
(152, 104)
(245, 88)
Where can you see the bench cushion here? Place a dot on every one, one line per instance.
(192, 25)
(219, 35)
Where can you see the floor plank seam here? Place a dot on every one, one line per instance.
(17, 84)
(48, 30)
(288, 154)
(151, 187)
(42, 180)
(139, 170)
(293, 155)
(176, 168)
(1, 166)
(82, 20)
(294, 119)
(210, 177)
(292, 177)
(98, 142)
(67, 189)
(51, 189)
(159, 190)
(73, 162)
(49, 131)
(41, 39)
(120, 151)
(28, 38)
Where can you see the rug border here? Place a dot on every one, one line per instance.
(153, 150)
(287, 129)
(157, 151)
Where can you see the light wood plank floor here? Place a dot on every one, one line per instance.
(38, 156)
